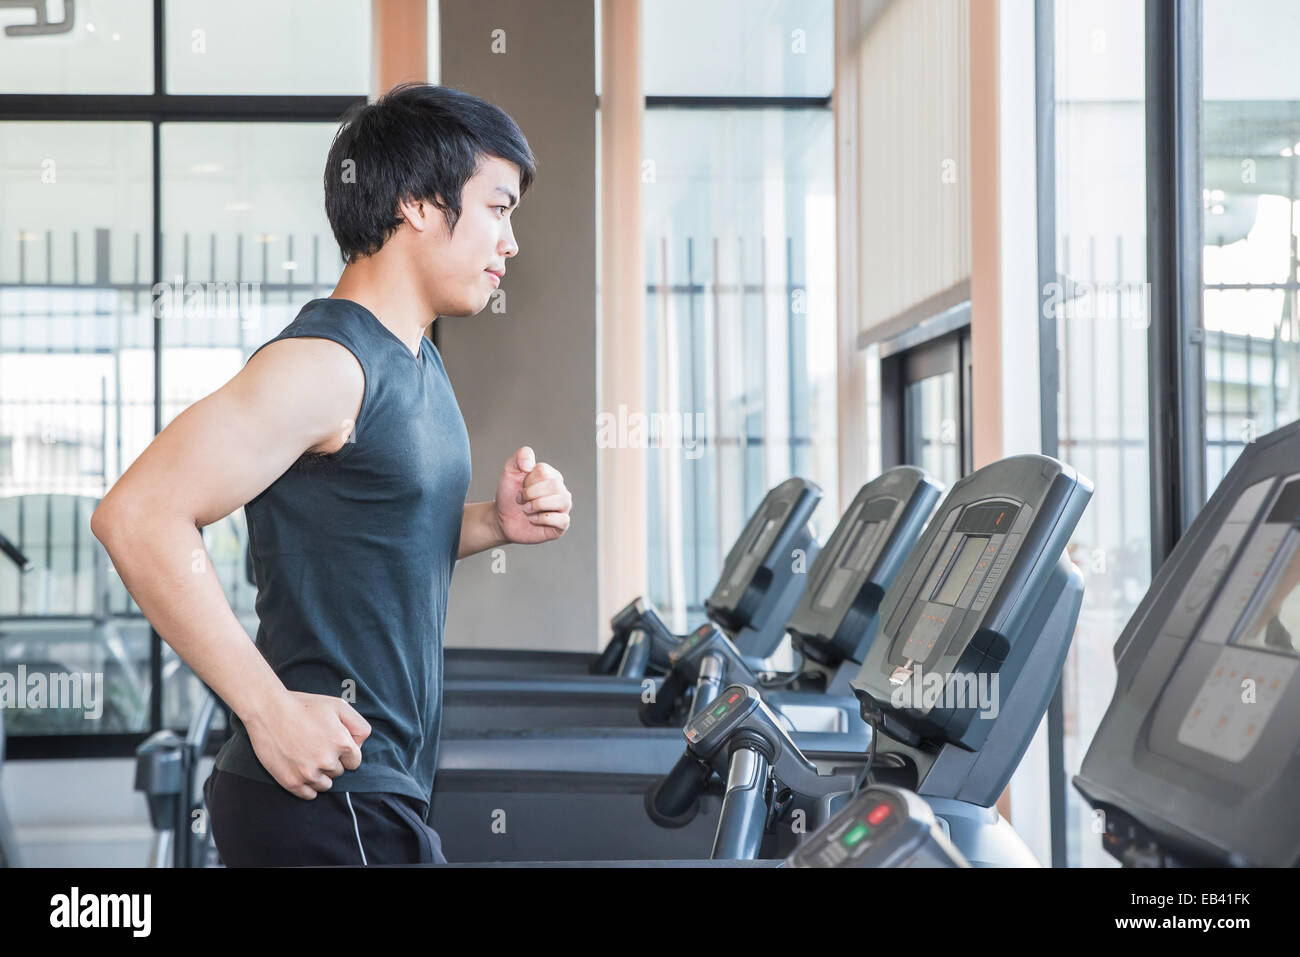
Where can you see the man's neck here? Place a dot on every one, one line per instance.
(387, 291)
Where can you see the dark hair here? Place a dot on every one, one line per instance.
(417, 142)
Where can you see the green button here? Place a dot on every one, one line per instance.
(717, 712)
(858, 832)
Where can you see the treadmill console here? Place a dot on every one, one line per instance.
(1196, 760)
(751, 582)
(837, 616)
(715, 723)
(882, 827)
(697, 642)
(985, 603)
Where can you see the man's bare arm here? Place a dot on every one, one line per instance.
(214, 457)
(480, 530)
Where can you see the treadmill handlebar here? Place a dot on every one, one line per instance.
(637, 616)
(745, 806)
(608, 660)
(636, 655)
(659, 710)
(674, 799)
(713, 669)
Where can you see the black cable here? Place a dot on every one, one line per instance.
(871, 755)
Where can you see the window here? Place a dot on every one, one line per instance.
(1099, 305)
(1250, 139)
(249, 46)
(76, 405)
(738, 48)
(100, 46)
(101, 344)
(928, 403)
(740, 266)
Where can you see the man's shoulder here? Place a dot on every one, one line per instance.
(323, 326)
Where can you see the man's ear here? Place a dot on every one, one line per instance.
(421, 214)
(415, 212)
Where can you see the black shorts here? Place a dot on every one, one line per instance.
(255, 824)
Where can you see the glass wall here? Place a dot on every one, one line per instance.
(250, 46)
(740, 265)
(83, 377)
(76, 405)
(1251, 141)
(98, 46)
(1099, 302)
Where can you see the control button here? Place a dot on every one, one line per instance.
(878, 814)
(855, 834)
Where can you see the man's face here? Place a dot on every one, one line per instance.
(464, 268)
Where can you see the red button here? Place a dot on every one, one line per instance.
(878, 814)
(734, 696)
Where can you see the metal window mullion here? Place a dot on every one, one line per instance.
(1049, 369)
(155, 640)
(1173, 178)
(175, 108)
(738, 102)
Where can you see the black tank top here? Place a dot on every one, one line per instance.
(353, 554)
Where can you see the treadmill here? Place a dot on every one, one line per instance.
(987, 594)
(1197, 760)
(831, 627)
(755, 593)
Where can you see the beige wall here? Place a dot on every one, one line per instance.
(622, 540)
(399, 37)
(528, 375)
(1004, 296)
(912, 169)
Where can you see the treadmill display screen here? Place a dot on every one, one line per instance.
(767, 527)
(860, 549)
(856, 551)
(960, 568)
(1275, 626)
(988, 519)
(752, 555)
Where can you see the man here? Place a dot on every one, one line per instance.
(344, 443)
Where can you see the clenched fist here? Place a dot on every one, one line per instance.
(532, 505)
